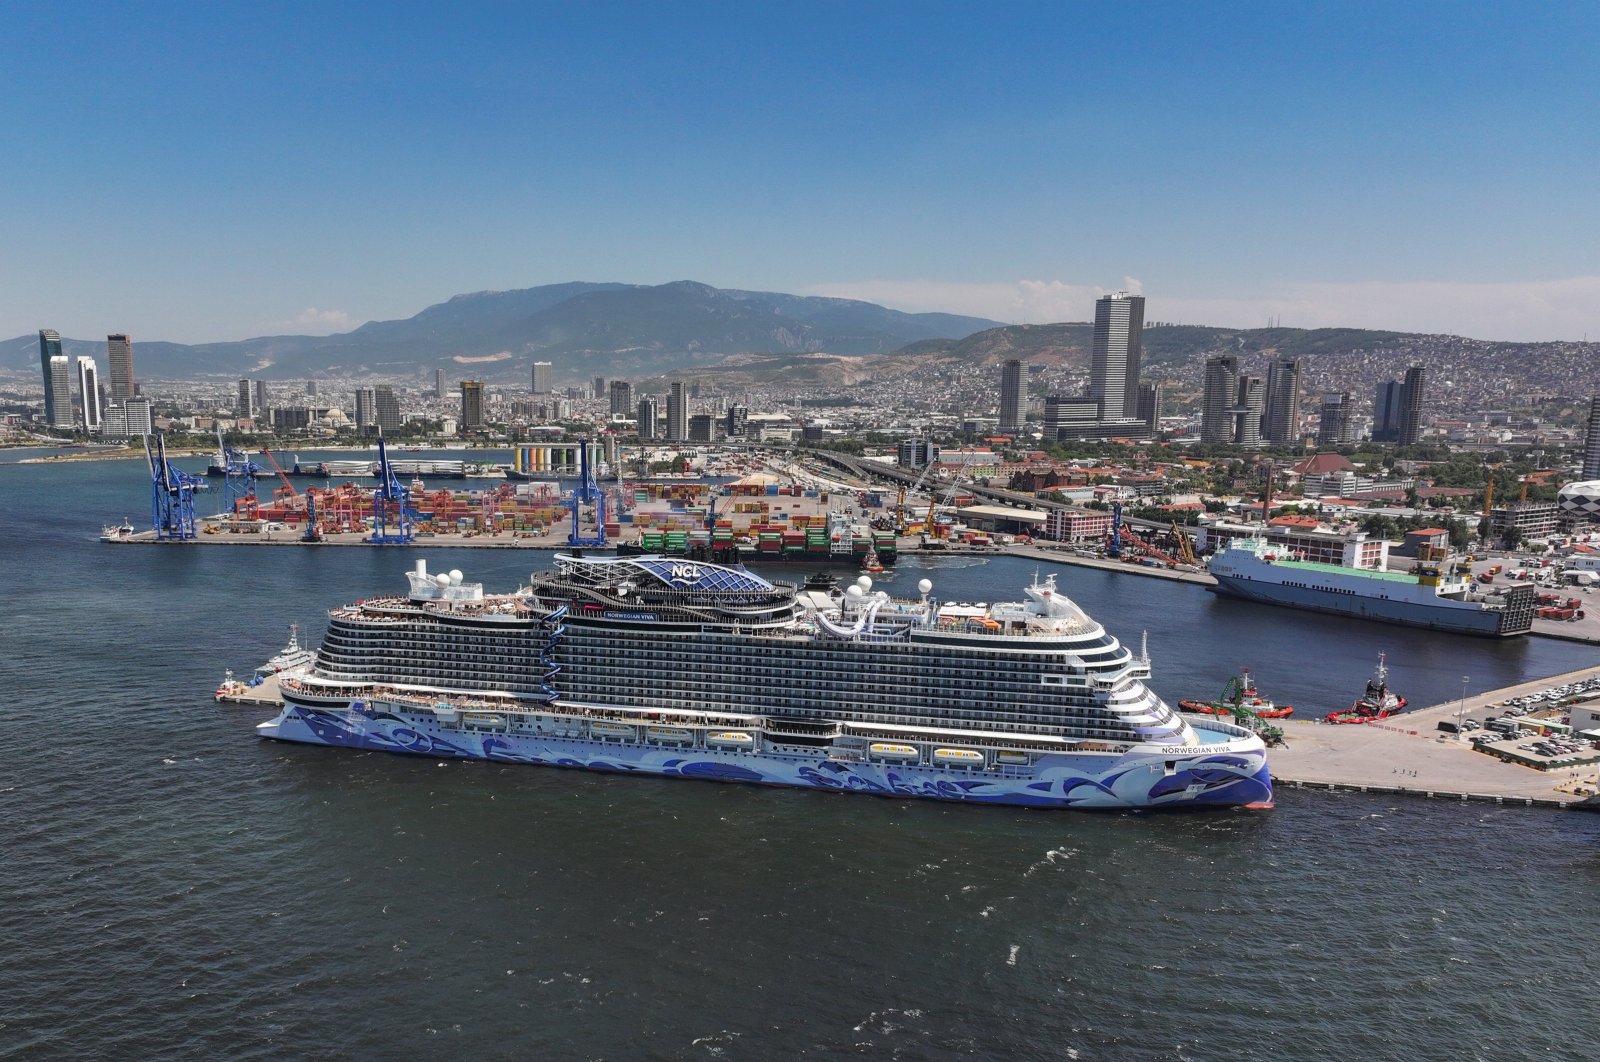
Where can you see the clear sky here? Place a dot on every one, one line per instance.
(201, 171)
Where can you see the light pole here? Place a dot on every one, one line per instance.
(1462, 711)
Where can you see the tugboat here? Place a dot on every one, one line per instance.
(117, 532)
(872, 565)
(1378, 702)
(1240, 692)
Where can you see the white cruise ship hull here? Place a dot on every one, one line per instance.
(1229, 772)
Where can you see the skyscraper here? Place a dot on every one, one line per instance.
(544, 376)
(471, 405)
(738, 418)
(386, 409)
(1412, 390)
(1012, 410)
(1336, 426)
(58, 392)
(647, 417)
(50, 347)
(1386, 411)
(1222, 389)
(438, 385)
(621, 398)
(119, 363)
(1281, 422)
(1591, 441)
(366, 409)
(599, 387)
(262, 398)
(1149, 408)
(311, 388)
(1118, 349)
(677, 414)
(1248, 410)
(89, 392)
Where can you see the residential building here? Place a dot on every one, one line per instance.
(677, 414)
(1221, 393)
(472, 405)
(119, 363)
(1148, 409)
(1336, 425)
(915, 453)
(89, 394)
(737, 419)
(1248, 411)
(544, 375)
(438, 385)
(386, 409)
(366, 409)
(1409, 430)
(1013, 411)
(261, 398)
(58, 393)
(646, 417)
(599, 387)
(621, 398)
(1070, 418)
(1591, 442)
(130, 418)
(1281, 421)
(702, 427)
(1118, 349)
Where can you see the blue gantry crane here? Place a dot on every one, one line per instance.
(587, 492)
(172, 493)
(238, 479)
(391, 505)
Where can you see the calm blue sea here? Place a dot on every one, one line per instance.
(171, 887)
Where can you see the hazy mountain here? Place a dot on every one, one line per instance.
(586, 329)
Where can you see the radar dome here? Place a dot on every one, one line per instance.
(865, 582)
(1580, 500)
(854, 592)
(455, 576)
(925, 586)
(441, 580)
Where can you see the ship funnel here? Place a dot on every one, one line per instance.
(422, 568)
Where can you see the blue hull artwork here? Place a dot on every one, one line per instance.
(1136, 779)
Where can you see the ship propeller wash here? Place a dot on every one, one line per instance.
(659, 666)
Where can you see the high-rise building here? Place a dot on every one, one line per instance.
(1591, 442)
(1336, 426)
(262, 398)
(1118, 349)
(438, 385)
(1248, 410)
(89, 394)
(1386, 411)
(1012, 410)
(1412, 390)
(50, 347)
(1070, 418)
(1149, 406)
(386, 410)
(677, 414)
(647, 417)
(621, 398)
(702, 428)
(246, 404)
(472, 405)
(58, 392)
(1281, 422)
(916, 453)
(119, 363)
(366, 409)
(544, 378)
(599, 387)
(737, 419)
(1221, 392)
(311, 388)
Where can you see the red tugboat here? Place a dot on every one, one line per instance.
(1241, 691)
(1378, 702)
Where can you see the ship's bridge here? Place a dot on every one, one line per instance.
(668, 573)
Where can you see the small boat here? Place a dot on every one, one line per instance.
(294, 656)
(1240, 696)
(1377, 702)
(117, 532)
(230, 687)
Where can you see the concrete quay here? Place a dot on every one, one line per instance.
(1407, 754)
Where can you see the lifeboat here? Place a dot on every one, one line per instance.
(1007, 756)
(731, 739)
(483, 719)
(962, 756)
(893, 752)
(674, 734)
(602, 729)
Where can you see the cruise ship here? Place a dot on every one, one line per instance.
(1438, 595)
(659, 666)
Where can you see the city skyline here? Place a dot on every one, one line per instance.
(1277, 171)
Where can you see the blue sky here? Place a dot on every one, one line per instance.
(214, 171)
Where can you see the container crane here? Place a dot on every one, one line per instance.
(390, 502)
(586, 492)
(171, 495)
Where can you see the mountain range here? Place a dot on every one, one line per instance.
(611, 329)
